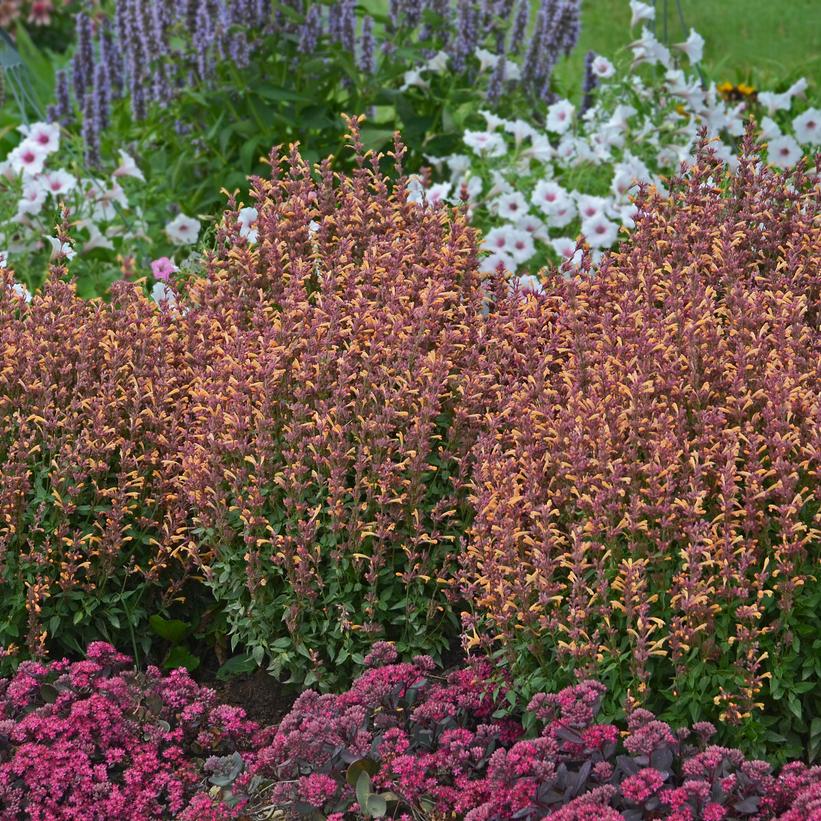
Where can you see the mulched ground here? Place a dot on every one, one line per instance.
(264, 699)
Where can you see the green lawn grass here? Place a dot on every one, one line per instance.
(763, 42)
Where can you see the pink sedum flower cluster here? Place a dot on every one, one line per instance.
(451, 748)
(96, 740)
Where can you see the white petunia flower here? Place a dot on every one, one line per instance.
(784, 152)
(539, 149)
(769, 128)
(4, 258)
(600, 143)
(487, 59)
(627, 215)
(96, 238)
(602, 67)
(438, 193)
(590, 206)
(510, 206)
(497, 240)
(512, 71)
(640, 12)
(438, 64)
(416, 191)
(548, 195)
(798, 88)
(414, 78)
(33, 197)
(458, 164)
(61, 249)
(492, 262)
(59, 182)
(807, 127)
(161, 293)
(527, 283)
(621, 114)
(566, 150)
(183, 230)
(773, 102)
(560, 116)
(693, 47)
(485, 143)
(599, 231)
(468, 188)
(725, 154)
(734, 121)
(520, 130)
(19, 289)
(582, 152)
(562, 214)
(27, 159)
(499, 184)
(45, 136)
(609, 138)
(107, 201)
(633, 166)
(782, 102)
(671, 156)
(565, 248)
(689, 90)
(493, 121)
(649, 50)
(624, 182)
(247, 219)
(128, 167)
(520, 245)
(534, 226)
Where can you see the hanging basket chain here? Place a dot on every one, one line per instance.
(15, 78)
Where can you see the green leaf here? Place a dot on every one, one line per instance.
(172, 630)
(375, 138)
(376, 806)
(795, 705)
(181, 657)
(282, 94)
(235, 666)
(248, 151)
(228, 774)
(363, 789)
(363, 765)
